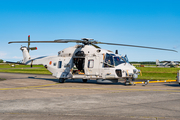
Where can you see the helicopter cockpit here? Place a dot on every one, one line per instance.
(114, 60)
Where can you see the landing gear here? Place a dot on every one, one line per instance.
(61, 80)
(146, 82)
(84, 80)
(127, 82)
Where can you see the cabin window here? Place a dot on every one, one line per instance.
(59, 64)
(90, 63)
(54, 64)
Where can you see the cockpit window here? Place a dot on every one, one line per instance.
(118, 60)
(109, 62)
(126, 58)
(113, 60)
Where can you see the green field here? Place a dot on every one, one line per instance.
(37, 69)
(148, 73)
(18, 66)
(156, 73)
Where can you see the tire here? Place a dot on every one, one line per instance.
(127, 83)
(84, 80)
(61, 80)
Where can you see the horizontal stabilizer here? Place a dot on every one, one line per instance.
(33, 48)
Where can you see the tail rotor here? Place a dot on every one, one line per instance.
(28, 42)
(30, 48)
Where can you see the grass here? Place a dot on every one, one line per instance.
(156, 73)
(37, 69)
(1, 79)
(18, 66)
(31, 71)
(148, 73)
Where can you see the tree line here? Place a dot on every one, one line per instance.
(145, 62)
(1, 61)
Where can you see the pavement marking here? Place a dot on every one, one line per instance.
(113, 89)
(45, 87)
(28, 87)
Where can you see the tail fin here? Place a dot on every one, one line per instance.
(157, 62)
(25, 51)
(26, 56)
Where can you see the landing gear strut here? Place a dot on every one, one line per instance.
(61, 80)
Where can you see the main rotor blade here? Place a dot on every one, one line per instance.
(136, 46)
(14, 62)
(55, 41)
(37, 42)
(69, 40)
(166, 61)
(95, 46)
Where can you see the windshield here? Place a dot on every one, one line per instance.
(118, 60)
(113, 60)
(126, 58)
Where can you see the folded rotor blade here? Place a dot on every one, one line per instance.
(136, 46)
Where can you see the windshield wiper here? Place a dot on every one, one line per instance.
(108, 64)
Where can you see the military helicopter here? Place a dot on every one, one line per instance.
(167, 63)
(85, 61)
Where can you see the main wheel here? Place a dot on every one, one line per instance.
(127, 83)
(61, 80)
(84, 80)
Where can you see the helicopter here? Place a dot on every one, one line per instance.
(167, 63)
(86, 61)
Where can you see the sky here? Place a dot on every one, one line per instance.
(154, 23)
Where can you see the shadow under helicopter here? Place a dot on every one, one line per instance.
(173, 85)
(76, 81)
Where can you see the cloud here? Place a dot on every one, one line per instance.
(2, 55)
(15, 57)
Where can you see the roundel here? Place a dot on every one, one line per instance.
(50, 62)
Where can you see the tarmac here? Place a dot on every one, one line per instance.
(31, 97)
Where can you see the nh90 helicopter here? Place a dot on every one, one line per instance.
(86, 61)
(167, 63)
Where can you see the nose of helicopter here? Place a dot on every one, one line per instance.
(127, 70)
